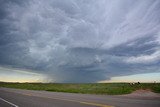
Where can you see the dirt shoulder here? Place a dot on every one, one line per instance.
(143, 94)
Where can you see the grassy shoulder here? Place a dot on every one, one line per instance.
(90, 88)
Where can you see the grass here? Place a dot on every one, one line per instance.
(90, 88)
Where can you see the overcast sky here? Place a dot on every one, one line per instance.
(79, 40)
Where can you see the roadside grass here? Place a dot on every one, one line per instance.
(89, 88)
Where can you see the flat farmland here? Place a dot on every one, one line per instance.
(88, 88)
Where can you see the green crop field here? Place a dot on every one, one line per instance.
(90, 88)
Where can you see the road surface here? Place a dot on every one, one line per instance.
(29, 98)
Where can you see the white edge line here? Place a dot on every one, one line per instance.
(8, 102)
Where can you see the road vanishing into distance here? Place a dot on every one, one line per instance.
(28, 98)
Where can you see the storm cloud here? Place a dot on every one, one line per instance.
(80, 40)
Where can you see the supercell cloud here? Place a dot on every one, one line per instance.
(80, 40)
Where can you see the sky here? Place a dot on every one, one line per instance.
(79, 41)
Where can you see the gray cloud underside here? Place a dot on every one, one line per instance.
(81, 40)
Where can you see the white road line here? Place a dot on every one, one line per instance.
(8, 102)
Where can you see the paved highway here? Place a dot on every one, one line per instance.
(29, 98)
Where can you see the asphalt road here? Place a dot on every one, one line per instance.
(29, 98)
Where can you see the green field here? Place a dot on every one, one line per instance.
(90, 88)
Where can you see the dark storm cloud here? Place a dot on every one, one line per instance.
(79, 40)
(144, 45)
